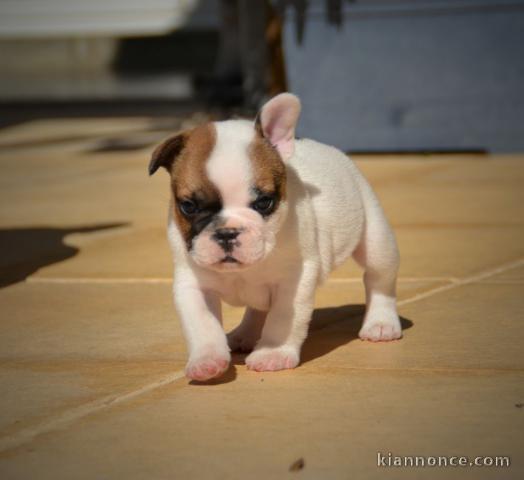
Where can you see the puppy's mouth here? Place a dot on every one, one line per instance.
(228, 263)
(230, 259)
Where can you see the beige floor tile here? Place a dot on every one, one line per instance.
(258, 425)
(36, 392)
(444, 191)
(457, 252)
(77, 189)
(474, 326)
(96, 321)
(65, 345)
(468, 327)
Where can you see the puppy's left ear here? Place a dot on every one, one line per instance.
(166, 153)
(277, 120)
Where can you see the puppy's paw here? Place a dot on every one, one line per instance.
(383, 329)
(242, 339)
(272, 359)
(207, 366)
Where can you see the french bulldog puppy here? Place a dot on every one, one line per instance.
(259, 218)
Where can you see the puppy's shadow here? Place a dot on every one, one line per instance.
(330, 328)
(333, 327)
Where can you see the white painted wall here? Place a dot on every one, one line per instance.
(80, 18)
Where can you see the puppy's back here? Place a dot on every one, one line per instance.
(332, 182)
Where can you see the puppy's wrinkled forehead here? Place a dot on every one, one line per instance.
(228, 166)
(227, 161)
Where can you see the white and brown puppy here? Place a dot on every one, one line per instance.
(259, 218)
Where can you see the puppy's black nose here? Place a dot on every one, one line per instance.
(225, 236)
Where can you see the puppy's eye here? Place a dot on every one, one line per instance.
(188, 207)
(263, 204)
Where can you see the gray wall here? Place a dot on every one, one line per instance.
(400, 75)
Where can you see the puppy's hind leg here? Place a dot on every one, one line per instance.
(378, 254)
(244, 337)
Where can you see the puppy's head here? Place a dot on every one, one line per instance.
(229, 184)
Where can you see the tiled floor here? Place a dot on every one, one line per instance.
(92, 357)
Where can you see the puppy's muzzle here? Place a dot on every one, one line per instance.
(226, 238)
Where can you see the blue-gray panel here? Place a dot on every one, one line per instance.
(412, 79)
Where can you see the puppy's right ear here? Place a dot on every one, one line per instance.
(277, 121)
(166, 153)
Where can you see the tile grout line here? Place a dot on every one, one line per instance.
(464, 281)
(27, 435)
(502, 282)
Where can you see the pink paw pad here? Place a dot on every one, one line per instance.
(271, 361)
(205, 368)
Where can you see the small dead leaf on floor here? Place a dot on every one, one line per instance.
(297, 465)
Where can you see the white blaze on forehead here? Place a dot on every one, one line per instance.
(228, 166)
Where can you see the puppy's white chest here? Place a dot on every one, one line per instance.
(239, 292)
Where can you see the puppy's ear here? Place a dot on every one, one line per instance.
(277, 120)
(166, 153)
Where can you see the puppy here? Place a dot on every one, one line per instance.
(259, 219)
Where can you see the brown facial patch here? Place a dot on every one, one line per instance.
(269, 171)
(189, 182)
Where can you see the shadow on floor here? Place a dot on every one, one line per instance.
(330, 328)
(23, 251)
(333, 327)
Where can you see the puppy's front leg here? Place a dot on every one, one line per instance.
(286, 324)
(200, 315)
